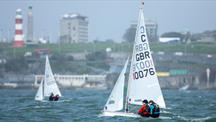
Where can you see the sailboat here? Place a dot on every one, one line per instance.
(48, 85)
(142, 83)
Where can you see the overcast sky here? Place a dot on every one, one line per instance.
(108, 19)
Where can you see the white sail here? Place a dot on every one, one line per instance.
(115, 101)
(50, 85)
(143, 82)
(39, 95)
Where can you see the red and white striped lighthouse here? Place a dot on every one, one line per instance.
(18, 38)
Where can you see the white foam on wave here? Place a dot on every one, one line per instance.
(200, 119)
(182, 118)
(62, 101)
(167, 108)
(165, 112)
(194, 119)
(164, 117)
(40, 106)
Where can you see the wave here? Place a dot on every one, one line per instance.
(166, 112)
(38, 107)
(208, 118)
(165, 117)
(167, 108)
(202, 119)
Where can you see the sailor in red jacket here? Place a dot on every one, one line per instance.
(143, 111)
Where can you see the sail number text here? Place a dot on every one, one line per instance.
(143, 73)
(142, 56)
(143, 36)
(143, 65)
(141, 47)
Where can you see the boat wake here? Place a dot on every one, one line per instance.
(133, 115)
(59, 101)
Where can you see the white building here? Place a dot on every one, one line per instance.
(169, 39)
(76, 80)
(73, 28)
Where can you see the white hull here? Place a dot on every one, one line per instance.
(123, 114)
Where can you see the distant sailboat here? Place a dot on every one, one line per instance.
(143, 82)
(48, 85)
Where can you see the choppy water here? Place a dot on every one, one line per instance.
(86, 105)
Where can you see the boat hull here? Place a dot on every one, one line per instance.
(123, 114)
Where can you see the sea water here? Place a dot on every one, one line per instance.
(86, 105)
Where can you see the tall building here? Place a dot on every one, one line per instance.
(73, 28)
(18, 38)
(30, 26)
(151, 28)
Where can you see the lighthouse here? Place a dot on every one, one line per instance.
(18, 38)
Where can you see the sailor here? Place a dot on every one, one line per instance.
(143, 111)
(51, 97)
(154, 109)
(56, 98)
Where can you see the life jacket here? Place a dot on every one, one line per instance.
(51, 98)
(156, 113)
(55, 98)
(144, 111)
(154, 109)
(151, 109)
(157, 109)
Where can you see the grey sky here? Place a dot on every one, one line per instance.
(108, 19)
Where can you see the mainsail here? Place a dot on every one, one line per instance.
(143, 82)
(50, 85)
(115, 101)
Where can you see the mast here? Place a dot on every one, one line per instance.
(126, 100)
(43, 89)
(45, 74)
(129, 80)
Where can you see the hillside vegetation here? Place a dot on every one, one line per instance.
(205, 48)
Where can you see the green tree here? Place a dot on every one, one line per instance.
(129, 35)
(97, 60)
(16, 65)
